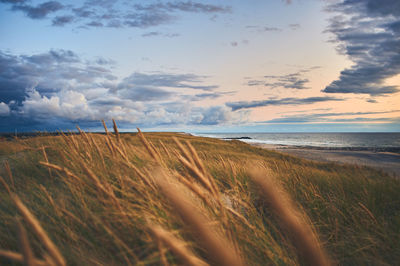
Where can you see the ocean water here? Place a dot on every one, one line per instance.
(380, 141)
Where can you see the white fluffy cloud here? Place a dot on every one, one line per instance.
(4, 109)
(66, 104)
(70, 105)
(74, 106)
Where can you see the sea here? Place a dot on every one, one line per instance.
(350, 141)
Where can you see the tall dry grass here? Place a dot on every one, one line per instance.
(170, 199)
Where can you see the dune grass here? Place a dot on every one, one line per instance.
(169, 198)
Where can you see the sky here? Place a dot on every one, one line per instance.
(200, 66)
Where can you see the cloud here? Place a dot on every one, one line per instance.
(274, 102)
(62, 20)
(66, 104)
(13, 1)
(368, 33)
(208, 95)
(333, 117)
(114, 13)
(4, 109)
(95, 24)
(288, 81)
(371, 100)
(151, 34)
(261, 29)
(164, 80)
(162, 86)
(57, 90)
(270, 29)
(67, 108)
(179, 113)
(236, 43)
(37, 12)
(160, 34)
(47, 72)
(146, 20)
(295, 26)
(104, 61)
(327, 117)
(220, 115)
(185, 6)
(146, 93)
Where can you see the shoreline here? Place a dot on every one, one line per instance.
(387, 161)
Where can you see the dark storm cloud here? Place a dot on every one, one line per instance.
(47, 72)
(115, 13)
(368, 33)
(40, 11)
(276, 102)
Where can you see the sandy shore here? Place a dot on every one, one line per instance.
(386, 161)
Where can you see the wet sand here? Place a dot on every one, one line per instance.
(386, 161)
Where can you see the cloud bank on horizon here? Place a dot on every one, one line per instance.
(58, 88)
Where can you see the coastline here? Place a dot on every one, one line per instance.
(389, 162)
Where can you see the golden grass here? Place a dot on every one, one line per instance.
(42, 235)
(171, 199)
(218, 247)
(14, 256)
(303, 236)
(178, 246)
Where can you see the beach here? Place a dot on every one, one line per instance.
(386, 161)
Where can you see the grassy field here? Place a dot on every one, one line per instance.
(169, 198)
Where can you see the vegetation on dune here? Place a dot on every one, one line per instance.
(169, 198)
